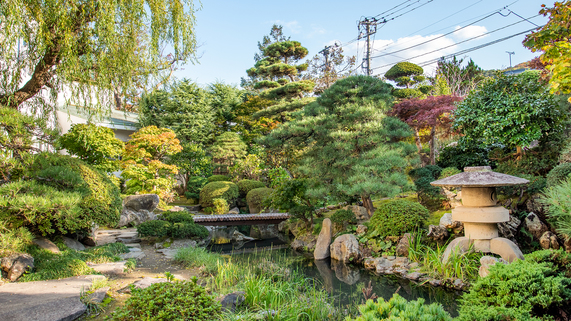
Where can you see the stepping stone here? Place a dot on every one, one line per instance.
(109, 268)
(53, 300)
(133, 245)
(129, 240)
(98, 295)
(46, 244)
(132, 255)
(144, 283)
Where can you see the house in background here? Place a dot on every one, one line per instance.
(123, 124)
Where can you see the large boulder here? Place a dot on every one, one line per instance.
(437, 233)
(549, 241)
(231, 301)
(323, 241)
(509, 229)
(345, 248)
(535, 226)
(403, 245)
(16, 264)
(446, 221)
(359, 211)
(304, 243)
(73, 244)
(136, 203)
(46, 244)
(130, 217)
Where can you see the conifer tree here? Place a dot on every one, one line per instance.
(350, 144)
(406, 74)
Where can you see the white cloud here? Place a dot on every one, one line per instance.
(291, 26)
(470, 32)
(316, 30)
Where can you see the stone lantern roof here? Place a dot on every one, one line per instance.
(480, 176)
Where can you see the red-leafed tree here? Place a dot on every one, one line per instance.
(426, 116)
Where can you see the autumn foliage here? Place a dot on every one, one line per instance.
(427, 116)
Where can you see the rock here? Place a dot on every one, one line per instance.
(323, 241)
(143, 283)
(360, 212)
(177, 209)
(231, 301)
(182, 243)
(16, 264)
(533, 204)
(133, 245)
(401, 261)
(98, 295)
(370, 263)
(437, 233)
(46, 244)
(414, 276)
(264, 231)
(534, 225)
(403, 245)
(509, 229)
(148, 202)
(44, 300)
(114, 268)
(89, 241)
(193, 208)
(304, 243)
(361, 230)
(413, 265)
(345, 248)
(435, 282)
(283, 227)
(458, 284)
(73, 244)
(168, 253)
(345, 273)
(131, 217)
(549, 241)
(136, 254)
(235, 210)
(129, 240)
(238, 237)
(486, 262)
(384, 266)
(447, 222)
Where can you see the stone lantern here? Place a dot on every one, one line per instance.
(479, 212)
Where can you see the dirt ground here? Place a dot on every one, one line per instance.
(152, 265)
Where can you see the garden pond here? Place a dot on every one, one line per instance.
(344, 283)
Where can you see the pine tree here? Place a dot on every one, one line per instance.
(349, 143)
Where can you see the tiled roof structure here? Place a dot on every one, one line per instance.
(241, 219)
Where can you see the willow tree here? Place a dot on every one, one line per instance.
(86, 49)
(350, 145)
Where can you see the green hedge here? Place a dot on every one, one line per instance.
(226, 190)
(537, 288)
(178, 225)
(219, 178)
(246, 185)
(60, 194)
(396, 217)
(255, 198)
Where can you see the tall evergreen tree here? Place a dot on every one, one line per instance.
(349, 143)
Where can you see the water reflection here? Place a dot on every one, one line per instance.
(343, 282)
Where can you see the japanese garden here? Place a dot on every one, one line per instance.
(315, 189)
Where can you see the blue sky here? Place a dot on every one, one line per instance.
(229, 30)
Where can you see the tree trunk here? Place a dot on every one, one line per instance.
(519, 152)
(417, 140)
(432, 146)
(368, 204)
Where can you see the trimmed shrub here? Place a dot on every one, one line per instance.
(178, 217)
(343, 217)
(256, 197)
(398, 308)
(220, 206)
(396, 217)
(464, 154)
(184, 230)
(155, 228)
(178, 300)
(194, 186)
(226, 190)
(449, 171)
(558, 206)
(13, 240)
(219, 178)
(532, 289)
(558, 174)
(60, 193)
(246, 185)
(428, 195)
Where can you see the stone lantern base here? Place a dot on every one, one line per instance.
(503, 247)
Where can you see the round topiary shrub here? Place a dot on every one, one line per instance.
(558, 174)
(226, 190)
(220, 206)
(219, 178)
(256, 197)
(449, 171)
(178, 300)
(246, 185)
(155, 228)
(396, 217)
(342, 217)
(184, 230)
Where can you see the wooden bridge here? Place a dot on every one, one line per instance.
(240, 219)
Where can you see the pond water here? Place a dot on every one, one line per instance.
(344, 283)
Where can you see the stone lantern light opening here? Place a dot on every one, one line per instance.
(480, 213)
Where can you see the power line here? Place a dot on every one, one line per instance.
(398, 5)
(461, 52)
(487, 33)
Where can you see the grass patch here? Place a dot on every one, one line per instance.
(197, 257)
(434, 218)
(68, 263)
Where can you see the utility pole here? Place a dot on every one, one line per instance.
(325, 52)
(510, 53)
(367, 27)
